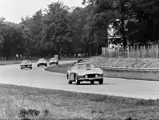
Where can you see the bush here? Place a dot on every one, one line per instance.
(30, 112)
(129, 118)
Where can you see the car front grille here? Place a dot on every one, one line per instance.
(91, 75)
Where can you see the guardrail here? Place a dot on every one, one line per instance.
(129, 69)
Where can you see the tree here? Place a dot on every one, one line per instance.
(98, 24)
(10, 37)
(56, 29)
(78, 20)
(32, 30)
(109, 11)
(147, 15)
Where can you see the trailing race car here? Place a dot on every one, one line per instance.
(41, 61)
(84, 72)
(53, 61)
(80, 60)
(26, 64)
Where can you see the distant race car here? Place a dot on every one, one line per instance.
(41, 61)
(26, 64)
(53, 61)
(80, 60)
(84, 71)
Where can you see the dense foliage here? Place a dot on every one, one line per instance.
(136, 21)
(61, 30)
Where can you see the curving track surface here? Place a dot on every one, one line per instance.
(37, 77)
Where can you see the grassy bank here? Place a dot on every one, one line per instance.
(10, 62)
(55, 105)
(126, 62)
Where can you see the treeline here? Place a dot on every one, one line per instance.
(61, 30)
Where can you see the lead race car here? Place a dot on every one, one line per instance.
(84, 71)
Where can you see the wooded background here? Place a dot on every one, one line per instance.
(62, 30)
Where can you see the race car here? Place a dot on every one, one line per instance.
(26, 64)
(84, 71)
(80, 60)
(53, 61)
(41, 61)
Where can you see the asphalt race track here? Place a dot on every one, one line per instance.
(37, 77)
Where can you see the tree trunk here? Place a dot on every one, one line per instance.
(123, 36)
(122, 11)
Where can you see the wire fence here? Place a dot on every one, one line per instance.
(149, 51)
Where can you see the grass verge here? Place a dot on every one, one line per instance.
(62, 105)
(10, 62)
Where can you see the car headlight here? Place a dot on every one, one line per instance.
(86, 76)
(96, 75)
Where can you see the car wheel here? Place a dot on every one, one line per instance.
(45, 64)
(101, 81)
(37, 65)
(77, 81)
(92, 82)
(21, 68)
(69, 81)
(57, 63)
(30, 67)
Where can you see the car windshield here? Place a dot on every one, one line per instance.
(53, 58)
(25, 61)
(42, 59)
(84, 66)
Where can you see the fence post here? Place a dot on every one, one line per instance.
(144, 51)
(133, 48)
(148, 51)
(104, 49)
(137, 51)
(132, 54)
(128, 52)
(152, 52)
(141, 49)
(157, 51)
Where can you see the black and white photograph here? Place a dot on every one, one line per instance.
(79, 59)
